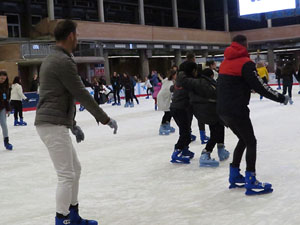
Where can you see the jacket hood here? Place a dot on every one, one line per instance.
(235, 50)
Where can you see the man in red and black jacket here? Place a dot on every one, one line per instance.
(237, 77)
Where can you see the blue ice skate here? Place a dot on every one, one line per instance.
(178, 158)
(22, 123)
(163, 130)
(126, 105)
(206, 161)
(291, 101)
(254, 187)
(63, 221)
(77, 220)
(204, 139)
(114, 104)
(155, 107)
(186, 153)
(236, 179)
(81, 108)
(171, 129)
(222, 152)
(17, 123)
(7, 145)
(119, 103)
(193, 137)
(131, 104)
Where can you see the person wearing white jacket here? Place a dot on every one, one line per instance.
(16, 101)
(164, 102)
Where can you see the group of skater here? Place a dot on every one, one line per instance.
(10, 100)
(218, 100)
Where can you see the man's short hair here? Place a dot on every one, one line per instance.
(241, 39)
(63, 29)
(190, 56)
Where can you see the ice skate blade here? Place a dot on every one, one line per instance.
(251, 192)
(223, 158)
(164, 133)
(183, 161)
(231, 186)
(209, 165)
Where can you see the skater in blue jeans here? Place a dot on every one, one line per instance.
(237, 77)
(4, 108)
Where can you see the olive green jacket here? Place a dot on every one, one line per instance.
(60, 85)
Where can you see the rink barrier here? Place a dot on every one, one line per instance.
(140, 91)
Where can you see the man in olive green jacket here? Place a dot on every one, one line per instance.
(60, 85)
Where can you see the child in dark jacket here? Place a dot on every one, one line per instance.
(203, 98)
(127, 84)
(181, 112)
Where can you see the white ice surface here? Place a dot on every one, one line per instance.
(127, 178)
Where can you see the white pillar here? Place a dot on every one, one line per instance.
(141, 12)
(106, 67)
(226, 17)
(202, 13)
(175, 13)
(271, 59)
(50, 5)
(144, 61)
(101, 11)
(178, 58)
(269, 23)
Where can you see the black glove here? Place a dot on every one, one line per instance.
(76, 130)
(286, 99)
(26, 100)
(113, 124)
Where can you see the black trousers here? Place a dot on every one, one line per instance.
(243, 129)
(201, 126)
(182, 118)
(151, 91)
(217, 134)
(287, 87)
(167, 117)
(18, 108)
(128, 95)
(133, 96)
(116, 92)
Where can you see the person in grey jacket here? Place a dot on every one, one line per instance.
(60, 85)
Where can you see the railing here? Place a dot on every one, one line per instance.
(32, 50)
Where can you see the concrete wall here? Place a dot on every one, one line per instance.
(271, 34)
(138, 33)
(3, 27)
(11, 69)
(10, 52)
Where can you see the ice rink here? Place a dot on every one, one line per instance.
(127, 178)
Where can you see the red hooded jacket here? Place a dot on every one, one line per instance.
(237, 77)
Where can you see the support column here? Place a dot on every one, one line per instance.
(141, 12)
(177, 57)
(269, 23)
(175, 13)
(101, 11)
(271, 59)
(144, 61)
(202, 13)
(106, 67)
(50, 5)
(226, 17)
